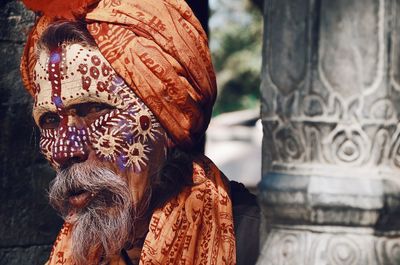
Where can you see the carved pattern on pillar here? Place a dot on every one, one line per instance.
(331, 106)
(339, 110)
(304, 247)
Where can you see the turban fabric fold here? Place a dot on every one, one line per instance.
(160, 49)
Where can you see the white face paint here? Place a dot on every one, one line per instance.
(82, 105)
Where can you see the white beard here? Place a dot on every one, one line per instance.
(106, 223)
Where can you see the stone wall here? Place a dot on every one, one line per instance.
(28, 224)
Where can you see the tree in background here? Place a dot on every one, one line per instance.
(235, 42)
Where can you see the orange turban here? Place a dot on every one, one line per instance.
(157, 46)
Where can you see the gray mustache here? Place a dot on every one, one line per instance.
(107, 222)
(108, 187)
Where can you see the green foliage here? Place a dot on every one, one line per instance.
(236, 50)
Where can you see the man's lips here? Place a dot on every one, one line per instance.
(80, 199)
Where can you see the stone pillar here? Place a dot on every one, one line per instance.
(330, 192)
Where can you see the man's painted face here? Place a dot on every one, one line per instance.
(83, 106)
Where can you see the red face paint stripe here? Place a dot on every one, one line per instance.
(55, 77)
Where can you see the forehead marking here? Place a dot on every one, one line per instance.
(55, 77)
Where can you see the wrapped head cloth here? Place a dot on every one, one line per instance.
(157, 46)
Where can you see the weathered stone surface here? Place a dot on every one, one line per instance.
(15, 21)
(24, 255)
(330, 108)
(25, 217)
(306, 245)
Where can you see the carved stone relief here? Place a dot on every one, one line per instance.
(328, 101)
(336, 246)
(330, 191)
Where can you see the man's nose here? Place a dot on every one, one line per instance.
(71, 146)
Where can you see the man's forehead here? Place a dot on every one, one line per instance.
(68, 55)
(83, 72)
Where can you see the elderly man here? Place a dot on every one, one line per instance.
(123, 91)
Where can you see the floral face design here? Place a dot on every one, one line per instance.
(83, 106)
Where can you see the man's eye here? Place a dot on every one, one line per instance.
(96, 108)
(82, 110)
(49, 121)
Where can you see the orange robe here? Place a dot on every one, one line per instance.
(194, 228)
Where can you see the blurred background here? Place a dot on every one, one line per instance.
(235, 132)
